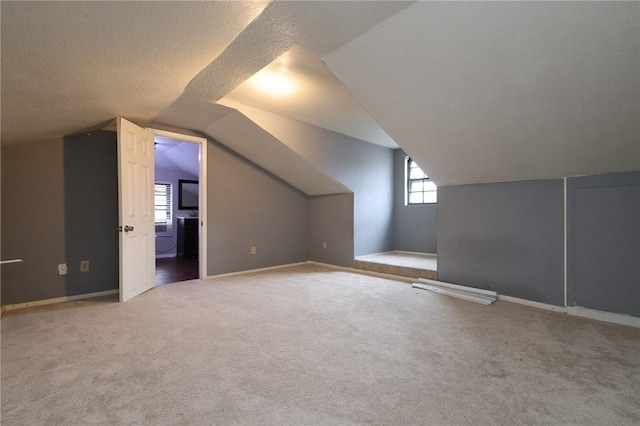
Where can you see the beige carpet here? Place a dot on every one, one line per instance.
(402, 264)
(311, 346)
(402, 258)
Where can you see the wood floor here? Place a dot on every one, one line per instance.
(174, 269)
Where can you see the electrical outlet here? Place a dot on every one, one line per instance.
(253, 250)
(62, 269)
(324, 245)
(84, 266)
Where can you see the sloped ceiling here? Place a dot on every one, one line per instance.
(474, 91)
(316, 26)
(251, 141)
(67, 66)
(233, 129)
(310, 93)
(173, 154)
(497, 91)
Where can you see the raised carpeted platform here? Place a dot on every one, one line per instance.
(401, 264)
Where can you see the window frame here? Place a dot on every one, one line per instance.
(168, 223)
(424, 179)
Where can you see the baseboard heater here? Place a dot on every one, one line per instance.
(477, 295)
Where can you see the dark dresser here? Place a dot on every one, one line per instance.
(188, 237)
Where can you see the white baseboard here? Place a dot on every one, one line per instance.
(15, 306)
(611, 317)
(579, 311)
(533, 304)
(251, 271)
(418, 253)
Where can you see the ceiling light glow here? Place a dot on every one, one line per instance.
(274, 83)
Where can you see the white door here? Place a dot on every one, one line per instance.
(137, 227)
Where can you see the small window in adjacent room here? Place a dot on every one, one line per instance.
(420, 189)
(163, 207)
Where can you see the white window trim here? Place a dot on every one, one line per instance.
(407, 161)
(169, 222)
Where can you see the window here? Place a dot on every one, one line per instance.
(420, 189)
(163, 207)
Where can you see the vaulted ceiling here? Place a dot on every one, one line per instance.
(475, 91)
(172, 154)
(498, 91)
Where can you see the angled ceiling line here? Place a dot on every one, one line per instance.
(317, 97)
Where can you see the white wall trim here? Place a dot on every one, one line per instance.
(179, 136)
(13, 307)
(579, 311)
(597, 315)
(565, 241)
(532, 303)
(415, 252)
(202, 212)
(202, 196)
(251, 271)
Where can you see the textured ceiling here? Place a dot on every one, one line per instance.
(67, 66)
(497, 91)
(474, 91)
(316, 26)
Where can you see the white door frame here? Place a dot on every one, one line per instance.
(202, 200)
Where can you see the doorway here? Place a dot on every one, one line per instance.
(179, 203)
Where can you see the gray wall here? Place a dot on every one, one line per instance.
(603, 242)
(366, 169)
(414, 226)
(331, 221)
(167, 245)
(506, 237)
(247, 207)
(503, 236)
(60, 206)
(1, 229)
(33, 220)
(91, 211)
(52, 213)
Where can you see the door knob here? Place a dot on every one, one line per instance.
(128, 228)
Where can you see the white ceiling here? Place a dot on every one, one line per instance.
(498, 91)
(235, 130)
(172, 154)
(474, 91)
(67, 66)
(251, 141)
(316, 26)
(313, 95)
